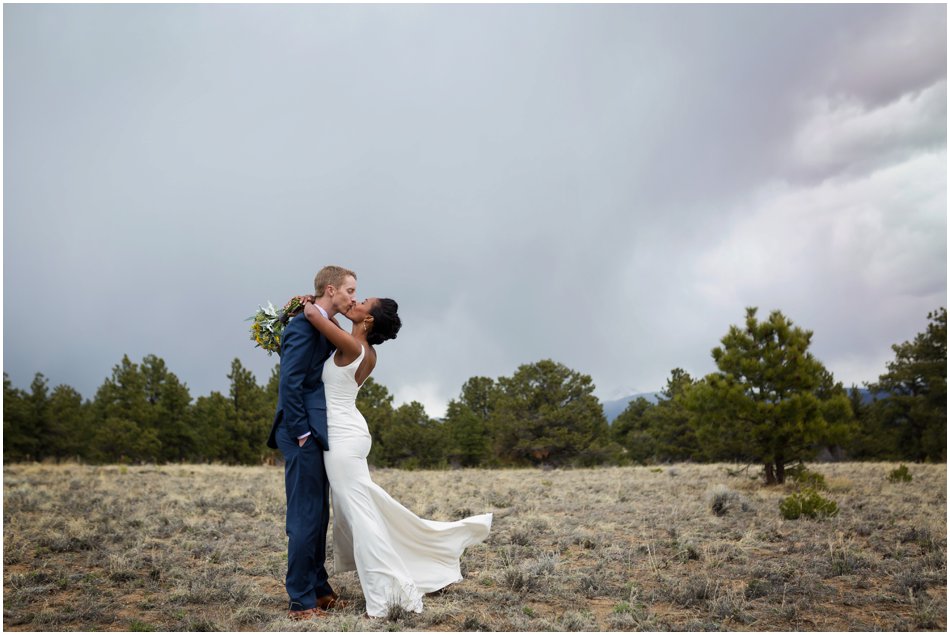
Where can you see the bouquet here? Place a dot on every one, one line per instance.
(267, 325)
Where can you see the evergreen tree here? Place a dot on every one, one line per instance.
(252, 418)
(766, 402)
(661, 431)
(123, 394)
(871, 440)
(68, 419)
(467, 435)
(547, 413)
(836, 410)
(467, 422)
(912, 409)
(670, 422)
(858, 407)
(146, 399)
(272, 389)
(413, 439)
(124, 428)
(480, 395)
(631, 429)
(118, 440)
(19, 439)
(212, 419)
(169, 402)
(38, 401)
(271, 395)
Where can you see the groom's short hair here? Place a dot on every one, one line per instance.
(331, 274)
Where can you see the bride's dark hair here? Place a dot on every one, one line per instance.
(386, 322)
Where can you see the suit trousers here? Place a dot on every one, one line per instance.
(308, 517)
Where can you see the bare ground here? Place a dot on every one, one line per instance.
(184, 547)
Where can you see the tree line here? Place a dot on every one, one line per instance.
(770, 402)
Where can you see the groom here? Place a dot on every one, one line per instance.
(300, 431)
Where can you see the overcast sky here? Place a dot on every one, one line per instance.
(607, 186)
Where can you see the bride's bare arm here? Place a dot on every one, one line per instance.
(343, 341)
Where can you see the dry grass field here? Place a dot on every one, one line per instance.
(183, 547)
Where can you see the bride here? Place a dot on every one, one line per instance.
(398, 556)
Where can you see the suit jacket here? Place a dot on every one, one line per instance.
(301, 401)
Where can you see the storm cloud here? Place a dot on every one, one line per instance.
(608, 186)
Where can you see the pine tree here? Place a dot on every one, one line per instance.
(252, 418)
(670, 422)
(912, 410)
(631, 429)
(19, 439)
(413, 439)
(212, 419)
(467, 422)
(468, 439)
(770, 401)
(118, 440)
(124, 429)
(547, 413)
(480, 395)
(169, 402)
(69, 423)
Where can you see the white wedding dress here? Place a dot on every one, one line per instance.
(397, 555)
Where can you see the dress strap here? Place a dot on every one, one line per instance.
(359, 358)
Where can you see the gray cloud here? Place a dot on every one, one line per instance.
(607, 186)
(848, 136)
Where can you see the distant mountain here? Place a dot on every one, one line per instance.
(867, 396)
(612, 409)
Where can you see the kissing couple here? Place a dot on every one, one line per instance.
(398, 556)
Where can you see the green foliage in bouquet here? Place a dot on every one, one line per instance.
(267, 325)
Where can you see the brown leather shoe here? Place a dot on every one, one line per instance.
(331, 601)
(307, 614)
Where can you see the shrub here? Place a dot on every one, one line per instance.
(808, 503)
(396, 612)
(528, 576)
(807, 478)
(756, 588)
(471, 624)
(593, 583)
(845, 562)
(574, 621)
(722, 500)
(517, 579)
(900, 475)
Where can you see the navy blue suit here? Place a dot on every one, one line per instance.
(302, 408)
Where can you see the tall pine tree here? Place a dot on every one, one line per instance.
(770, 402)
(911, 411)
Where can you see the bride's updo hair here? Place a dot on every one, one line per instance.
(386, 322)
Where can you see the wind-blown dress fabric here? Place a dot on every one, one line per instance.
(398, 556)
